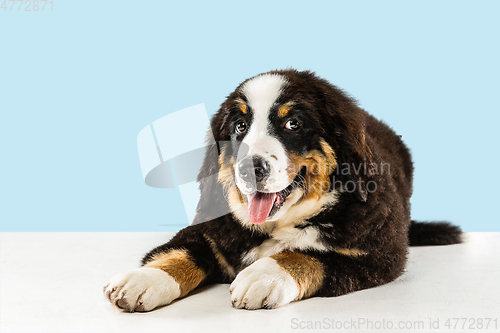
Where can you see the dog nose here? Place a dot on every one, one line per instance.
(255, 166)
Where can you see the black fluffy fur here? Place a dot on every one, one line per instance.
(434, 233)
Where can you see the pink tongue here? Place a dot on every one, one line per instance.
(259, 206)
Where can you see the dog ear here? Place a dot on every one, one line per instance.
(212, 202)
(355, 166)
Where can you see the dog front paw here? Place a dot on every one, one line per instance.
(264, 284)
(142, 289)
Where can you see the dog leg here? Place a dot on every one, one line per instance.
(277, 280)
(167, 277)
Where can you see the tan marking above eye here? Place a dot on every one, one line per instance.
(242, 104)
(285, 109)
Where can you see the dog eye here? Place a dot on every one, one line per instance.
(292, 125)
(241, 127)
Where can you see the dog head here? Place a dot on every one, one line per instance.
(282, 136)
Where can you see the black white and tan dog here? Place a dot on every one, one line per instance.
(318, 192)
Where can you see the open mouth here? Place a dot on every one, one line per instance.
(262, 205)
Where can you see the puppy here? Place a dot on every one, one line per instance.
(317, 194)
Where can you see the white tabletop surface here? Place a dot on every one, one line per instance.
(52, 282)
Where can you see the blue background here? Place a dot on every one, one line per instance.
(79, 83)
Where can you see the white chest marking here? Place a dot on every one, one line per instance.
(286, 238)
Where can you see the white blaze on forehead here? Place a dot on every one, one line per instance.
(262, 92)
